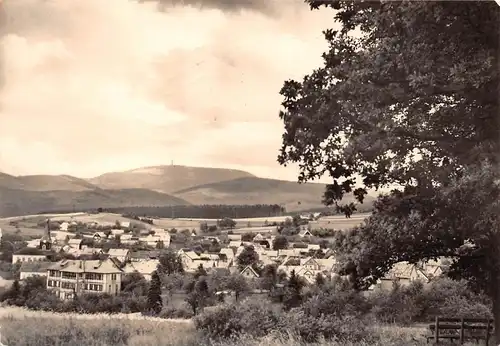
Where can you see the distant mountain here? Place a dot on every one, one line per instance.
(253, 190)
(45, 182)
(153, 186)
(166, 178)
(15, 202)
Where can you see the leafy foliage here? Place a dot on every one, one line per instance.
(280, 242)
(247, 257)
(170, 263)
(155, 302)
(411, 103)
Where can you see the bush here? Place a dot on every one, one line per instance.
(419, 303)
(310, 328)
(400, 305)
(226, 320)
(453, 298)
(176, 313)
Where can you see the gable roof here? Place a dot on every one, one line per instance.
(118, 252)
(308, 260)
(144, 267)
(304, 232)
(82, 266)
(35, 267)
(251, 270)
(235, 243)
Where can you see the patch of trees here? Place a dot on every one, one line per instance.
(206, 211)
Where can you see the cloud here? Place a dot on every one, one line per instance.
(93, 86)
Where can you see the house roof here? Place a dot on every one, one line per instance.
(303, 232)
(34, 267)
(82, 266)
(250, 269)
(91, 250)
(227, 251)
(75, 241)
(191, 254)
(402, 270)
(304, 261)
(326, 263)
(118, 252)
(142, 254)
(144, 267)
(235, 243)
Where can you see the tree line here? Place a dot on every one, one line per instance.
(206, 211)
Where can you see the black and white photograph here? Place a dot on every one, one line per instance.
(249, 172)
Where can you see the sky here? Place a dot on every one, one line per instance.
(93, 86)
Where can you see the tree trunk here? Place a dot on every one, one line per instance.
(494, 284)
(495, 296)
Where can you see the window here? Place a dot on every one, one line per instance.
(113, 277)
(67, 285)
(66, 275)
(93, 287)
(54, 273)
(93, 276)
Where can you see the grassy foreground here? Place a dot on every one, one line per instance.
(43, 330)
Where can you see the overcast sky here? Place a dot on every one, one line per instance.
(91, 86)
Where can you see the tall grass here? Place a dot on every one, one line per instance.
(44, 331)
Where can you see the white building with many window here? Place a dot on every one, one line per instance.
(68, 277)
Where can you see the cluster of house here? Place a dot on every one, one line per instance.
(68, 277)
(65, 241)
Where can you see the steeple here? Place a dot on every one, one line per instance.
(46, 241)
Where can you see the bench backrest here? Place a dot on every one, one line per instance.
(462, 324)
(465, 320)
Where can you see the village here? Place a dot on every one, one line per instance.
(92, 257)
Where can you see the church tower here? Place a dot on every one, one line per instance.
(46, 241)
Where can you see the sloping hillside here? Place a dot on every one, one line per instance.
(45, 182)
(54, 182)
(254, 190)
(166, 178)
(19, 202)
(9, 181)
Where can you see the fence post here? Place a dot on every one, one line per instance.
(436, 330)
(488, 332)
(462, 331)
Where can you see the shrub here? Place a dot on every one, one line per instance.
(397, 306)
(176, 313)
(226, 320)
(219, 322)
(310, 328)
(453, 298)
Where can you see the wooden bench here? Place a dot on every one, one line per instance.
(460, 329)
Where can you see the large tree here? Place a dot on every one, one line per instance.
(407, 99)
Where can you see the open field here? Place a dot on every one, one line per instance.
(336, 222)
(28, 224)
(339, 222)
(36, 216)
(101, 218)
(20, 327)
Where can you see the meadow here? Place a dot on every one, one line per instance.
(20, 327)
(28, 225)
